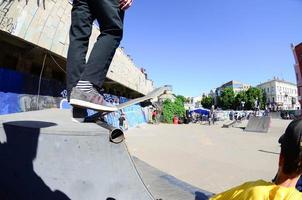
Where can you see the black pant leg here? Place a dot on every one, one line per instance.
(80, 31)
(110, 18)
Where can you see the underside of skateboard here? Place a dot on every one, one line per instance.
(116, 135)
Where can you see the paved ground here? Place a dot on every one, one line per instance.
(208, 157)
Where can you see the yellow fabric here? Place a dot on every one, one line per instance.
(259, 190)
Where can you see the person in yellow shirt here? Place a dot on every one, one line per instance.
(289, 172)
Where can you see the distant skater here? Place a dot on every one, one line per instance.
(85, 78)
(123, 122)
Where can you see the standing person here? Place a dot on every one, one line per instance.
(210, 117)
(154, 113)
(85, 78)
(286, 184)
(123, 122)
(214, 117)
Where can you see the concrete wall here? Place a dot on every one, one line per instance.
(46, 23)
(19, 93)
(124, 71)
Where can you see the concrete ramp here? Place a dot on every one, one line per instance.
(258, 124)
(44, 155)
(229, 124)
(275, 115)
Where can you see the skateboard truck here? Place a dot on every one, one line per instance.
(116, 135)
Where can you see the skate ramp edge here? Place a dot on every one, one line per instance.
(47, 156)
(229, 124)
(258, 124)
(275, 115)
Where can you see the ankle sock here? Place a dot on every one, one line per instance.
(85, 86)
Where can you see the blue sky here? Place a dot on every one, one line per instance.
(196, 45)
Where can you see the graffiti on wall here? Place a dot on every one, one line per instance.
(34, 102)
(26, 2)
(7, 23)
(18, 92)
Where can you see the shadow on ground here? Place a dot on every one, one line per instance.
(201, 196)
(18, 179)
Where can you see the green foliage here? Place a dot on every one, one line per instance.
(171, 109)
(179, 109)
(252, 95)
(168, 111)
(240, 97)
(227, 99)
(207, 102)
(182, 98)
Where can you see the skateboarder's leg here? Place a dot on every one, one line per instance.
(110, 18)
(80, 31)
(79, 34)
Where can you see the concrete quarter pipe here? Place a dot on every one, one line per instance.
(258, 124)
(44, 155)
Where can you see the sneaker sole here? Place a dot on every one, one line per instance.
(85, 104)
(78, 120)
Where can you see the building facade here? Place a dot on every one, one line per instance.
(281, 94)
(235, 85)
(297, 50)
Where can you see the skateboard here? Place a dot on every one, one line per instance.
(116, 135)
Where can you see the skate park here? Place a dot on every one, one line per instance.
(46, 154)
(34, 109)
(136, 164)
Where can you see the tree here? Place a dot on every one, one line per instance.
(179, 109)
(182, 98)
(168, 111)
(171, 109)
(207, 102)
(240, 97)
(227, 99)
(263, 100)
(188, 100)
(254, 94)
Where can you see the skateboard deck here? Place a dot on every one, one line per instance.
(116, 134)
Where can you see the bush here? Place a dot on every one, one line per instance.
(171, 109)
(207, 102)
